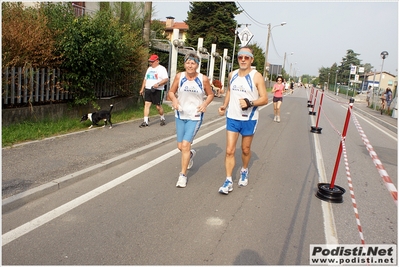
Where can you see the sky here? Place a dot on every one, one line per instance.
(317, 34)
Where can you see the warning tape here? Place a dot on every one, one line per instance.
(348, 176)
(381, 170)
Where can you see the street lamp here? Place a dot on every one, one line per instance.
(384, 55)
(267, 46)
(178, 43)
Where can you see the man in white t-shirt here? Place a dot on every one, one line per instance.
(152, 88)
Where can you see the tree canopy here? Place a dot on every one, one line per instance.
(214, 22)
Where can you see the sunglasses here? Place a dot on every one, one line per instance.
(243, 57)
(279, 80)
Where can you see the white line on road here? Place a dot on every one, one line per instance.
(51, 215)
(330, 230)
(375, 126)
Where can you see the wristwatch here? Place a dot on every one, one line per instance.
(251, 103)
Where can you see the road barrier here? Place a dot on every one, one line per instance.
(317, 129)
(331, 192)
(378, 164)
(312, 112)
(310, 98)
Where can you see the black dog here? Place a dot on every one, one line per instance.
(95, 117)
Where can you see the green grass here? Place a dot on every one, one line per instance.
(29, 130)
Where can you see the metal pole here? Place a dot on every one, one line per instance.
(267, 51)
(348, 115)
(234, 47)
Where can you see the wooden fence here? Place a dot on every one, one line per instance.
(21, 86)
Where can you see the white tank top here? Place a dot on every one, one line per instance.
(190, 94)
(242, 87)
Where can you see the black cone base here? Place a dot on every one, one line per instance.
(315, 129)
(333, 195)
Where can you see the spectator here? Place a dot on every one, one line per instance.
(155, 79)
(388, 98)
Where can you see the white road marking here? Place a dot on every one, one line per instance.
(330, 230)
(51, 215)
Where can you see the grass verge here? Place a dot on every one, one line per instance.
(29, 130)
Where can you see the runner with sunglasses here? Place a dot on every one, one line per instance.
(278, 89)
(246, 91)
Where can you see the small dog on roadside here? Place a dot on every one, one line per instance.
(95, 117)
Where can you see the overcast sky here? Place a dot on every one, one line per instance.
(317, 33)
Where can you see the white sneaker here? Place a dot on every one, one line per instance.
(226, 187)
(278, 118)
(191, 162)
(243, 178)
(275, 118)
(182, 182)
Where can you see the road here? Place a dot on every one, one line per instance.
(132, 213)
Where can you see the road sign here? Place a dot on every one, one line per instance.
(245, 36)
(353, 69)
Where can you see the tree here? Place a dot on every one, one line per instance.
(93, 50)
(214, 22)
(28, 37)
(259, 58)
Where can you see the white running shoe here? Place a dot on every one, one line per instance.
(182, 182)
(191, 162)
(243, 178)
(226, 187)
(275, 118)
(278, 118)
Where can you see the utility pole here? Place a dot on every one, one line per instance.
(147, 23)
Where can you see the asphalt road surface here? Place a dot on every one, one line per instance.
(133, 214)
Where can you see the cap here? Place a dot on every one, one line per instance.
(153, 57)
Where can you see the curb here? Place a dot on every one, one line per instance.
(387, 125)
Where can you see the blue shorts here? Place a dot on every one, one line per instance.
(243, 127)
(187, 129)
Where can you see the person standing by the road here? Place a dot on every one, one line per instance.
(388, 98)
(191, 89)
(278, 89)
(245, 93)
(152, 88)
(369, 92)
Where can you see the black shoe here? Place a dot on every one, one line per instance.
(144, 124)
(163, 123)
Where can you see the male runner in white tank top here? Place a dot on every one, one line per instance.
(246, 91)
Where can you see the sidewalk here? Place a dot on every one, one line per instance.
(34, 169)
(360, 106)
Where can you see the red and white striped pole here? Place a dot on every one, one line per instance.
(317, 129)
(331, 192)
(312, 112)
(310, 98)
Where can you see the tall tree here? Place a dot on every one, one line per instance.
(214, 22)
